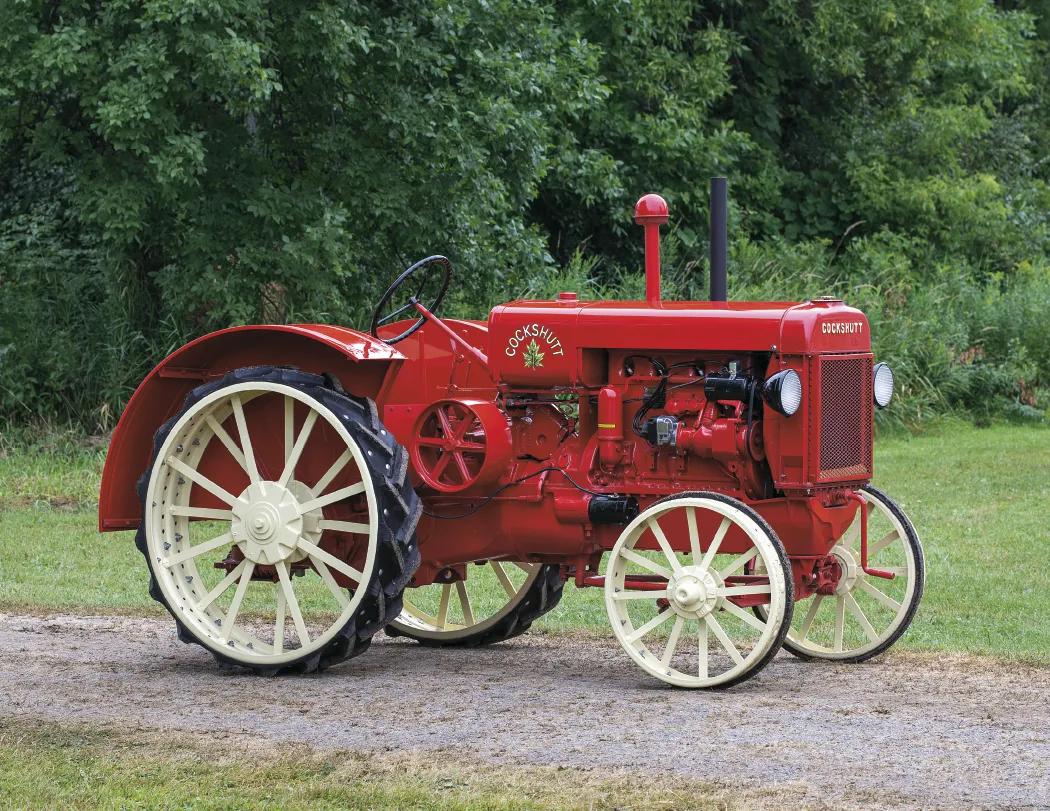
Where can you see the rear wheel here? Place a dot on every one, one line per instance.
(497, 601)
(278, 521)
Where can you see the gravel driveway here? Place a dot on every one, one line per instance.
(913, 730)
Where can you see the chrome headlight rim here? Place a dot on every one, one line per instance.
(882, 384)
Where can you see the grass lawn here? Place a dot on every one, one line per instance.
(49, 766)
(978, 496)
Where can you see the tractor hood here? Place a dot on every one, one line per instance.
(538, 342)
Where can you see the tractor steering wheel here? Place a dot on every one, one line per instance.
(378, 319)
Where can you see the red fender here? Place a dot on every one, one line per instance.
(363, 364)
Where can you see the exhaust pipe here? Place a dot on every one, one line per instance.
(719, 238)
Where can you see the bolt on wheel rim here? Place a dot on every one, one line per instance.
(864, 612)
(449, 611)
(260, 477)
(676, 591)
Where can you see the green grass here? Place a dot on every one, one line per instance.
(49, 766)
(978, 496)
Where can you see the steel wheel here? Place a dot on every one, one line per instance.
(497, 601)
(277, 522)
(866, 614)
(676, 578)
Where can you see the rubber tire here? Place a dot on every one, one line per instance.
(920, 576)
(398, 509)
(542, 596)
(789, 582)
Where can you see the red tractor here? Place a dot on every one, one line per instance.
(297, 488)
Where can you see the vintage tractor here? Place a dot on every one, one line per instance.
(297, 488)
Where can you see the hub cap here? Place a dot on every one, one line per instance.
(268, 522)
(694, 592)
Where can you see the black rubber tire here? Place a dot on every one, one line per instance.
(542, 596)
(399, 508)
(785, 563)
(920, 574)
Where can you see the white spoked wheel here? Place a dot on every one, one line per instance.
(274, 524)
(863, 615)
(498, 600)
(679, 599)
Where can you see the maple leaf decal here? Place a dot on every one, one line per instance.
(533, 357)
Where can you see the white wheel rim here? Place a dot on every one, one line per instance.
(450, 611)
(711, 640)
(274, 522)
(865, 611)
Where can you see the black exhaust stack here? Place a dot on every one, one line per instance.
(719, 238)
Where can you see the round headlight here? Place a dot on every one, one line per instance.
(783, 391)
(883, 384)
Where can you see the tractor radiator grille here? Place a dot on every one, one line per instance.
(846, 413)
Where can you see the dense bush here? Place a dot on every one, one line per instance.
(173, 166)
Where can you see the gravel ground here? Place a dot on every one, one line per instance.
(909, 730)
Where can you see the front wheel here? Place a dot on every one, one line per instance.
(679, 595)
(865, 614)
(278, 521)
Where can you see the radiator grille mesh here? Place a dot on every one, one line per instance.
(845, 418)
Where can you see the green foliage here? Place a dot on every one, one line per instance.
(175, 166)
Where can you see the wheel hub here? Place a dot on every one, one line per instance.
(268, 523)
(850, 567)
(693, 593)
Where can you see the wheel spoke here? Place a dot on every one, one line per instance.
(637, 594)
(227, 441)
(289, 427)
(672, 641)
(461, 464)
(326, 576)
(716, 542)
(884, 599)
(739, 591)
(246, 442)
(723, 638)
(220, 589)
(642, 630)
(332, 498)
(297, 449)
(343, 526)
(744, 616)
(238, 598)
(807, 623)
(694, 534)
(202, 481)
(202, 512)
(738, 563)
(194, 551)
(446, 426)
(440, 465)
(464, 602)
(430, 441)
(840, 621)
(278, 626)
(293, 604)
(501, 575)
(661, 539)
(645, 563)
(701, 651)
(333, 471)
(344, 568)
(442, 617)
(858, 613)
(882, 543)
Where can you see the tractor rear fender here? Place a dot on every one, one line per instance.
(363, 365)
